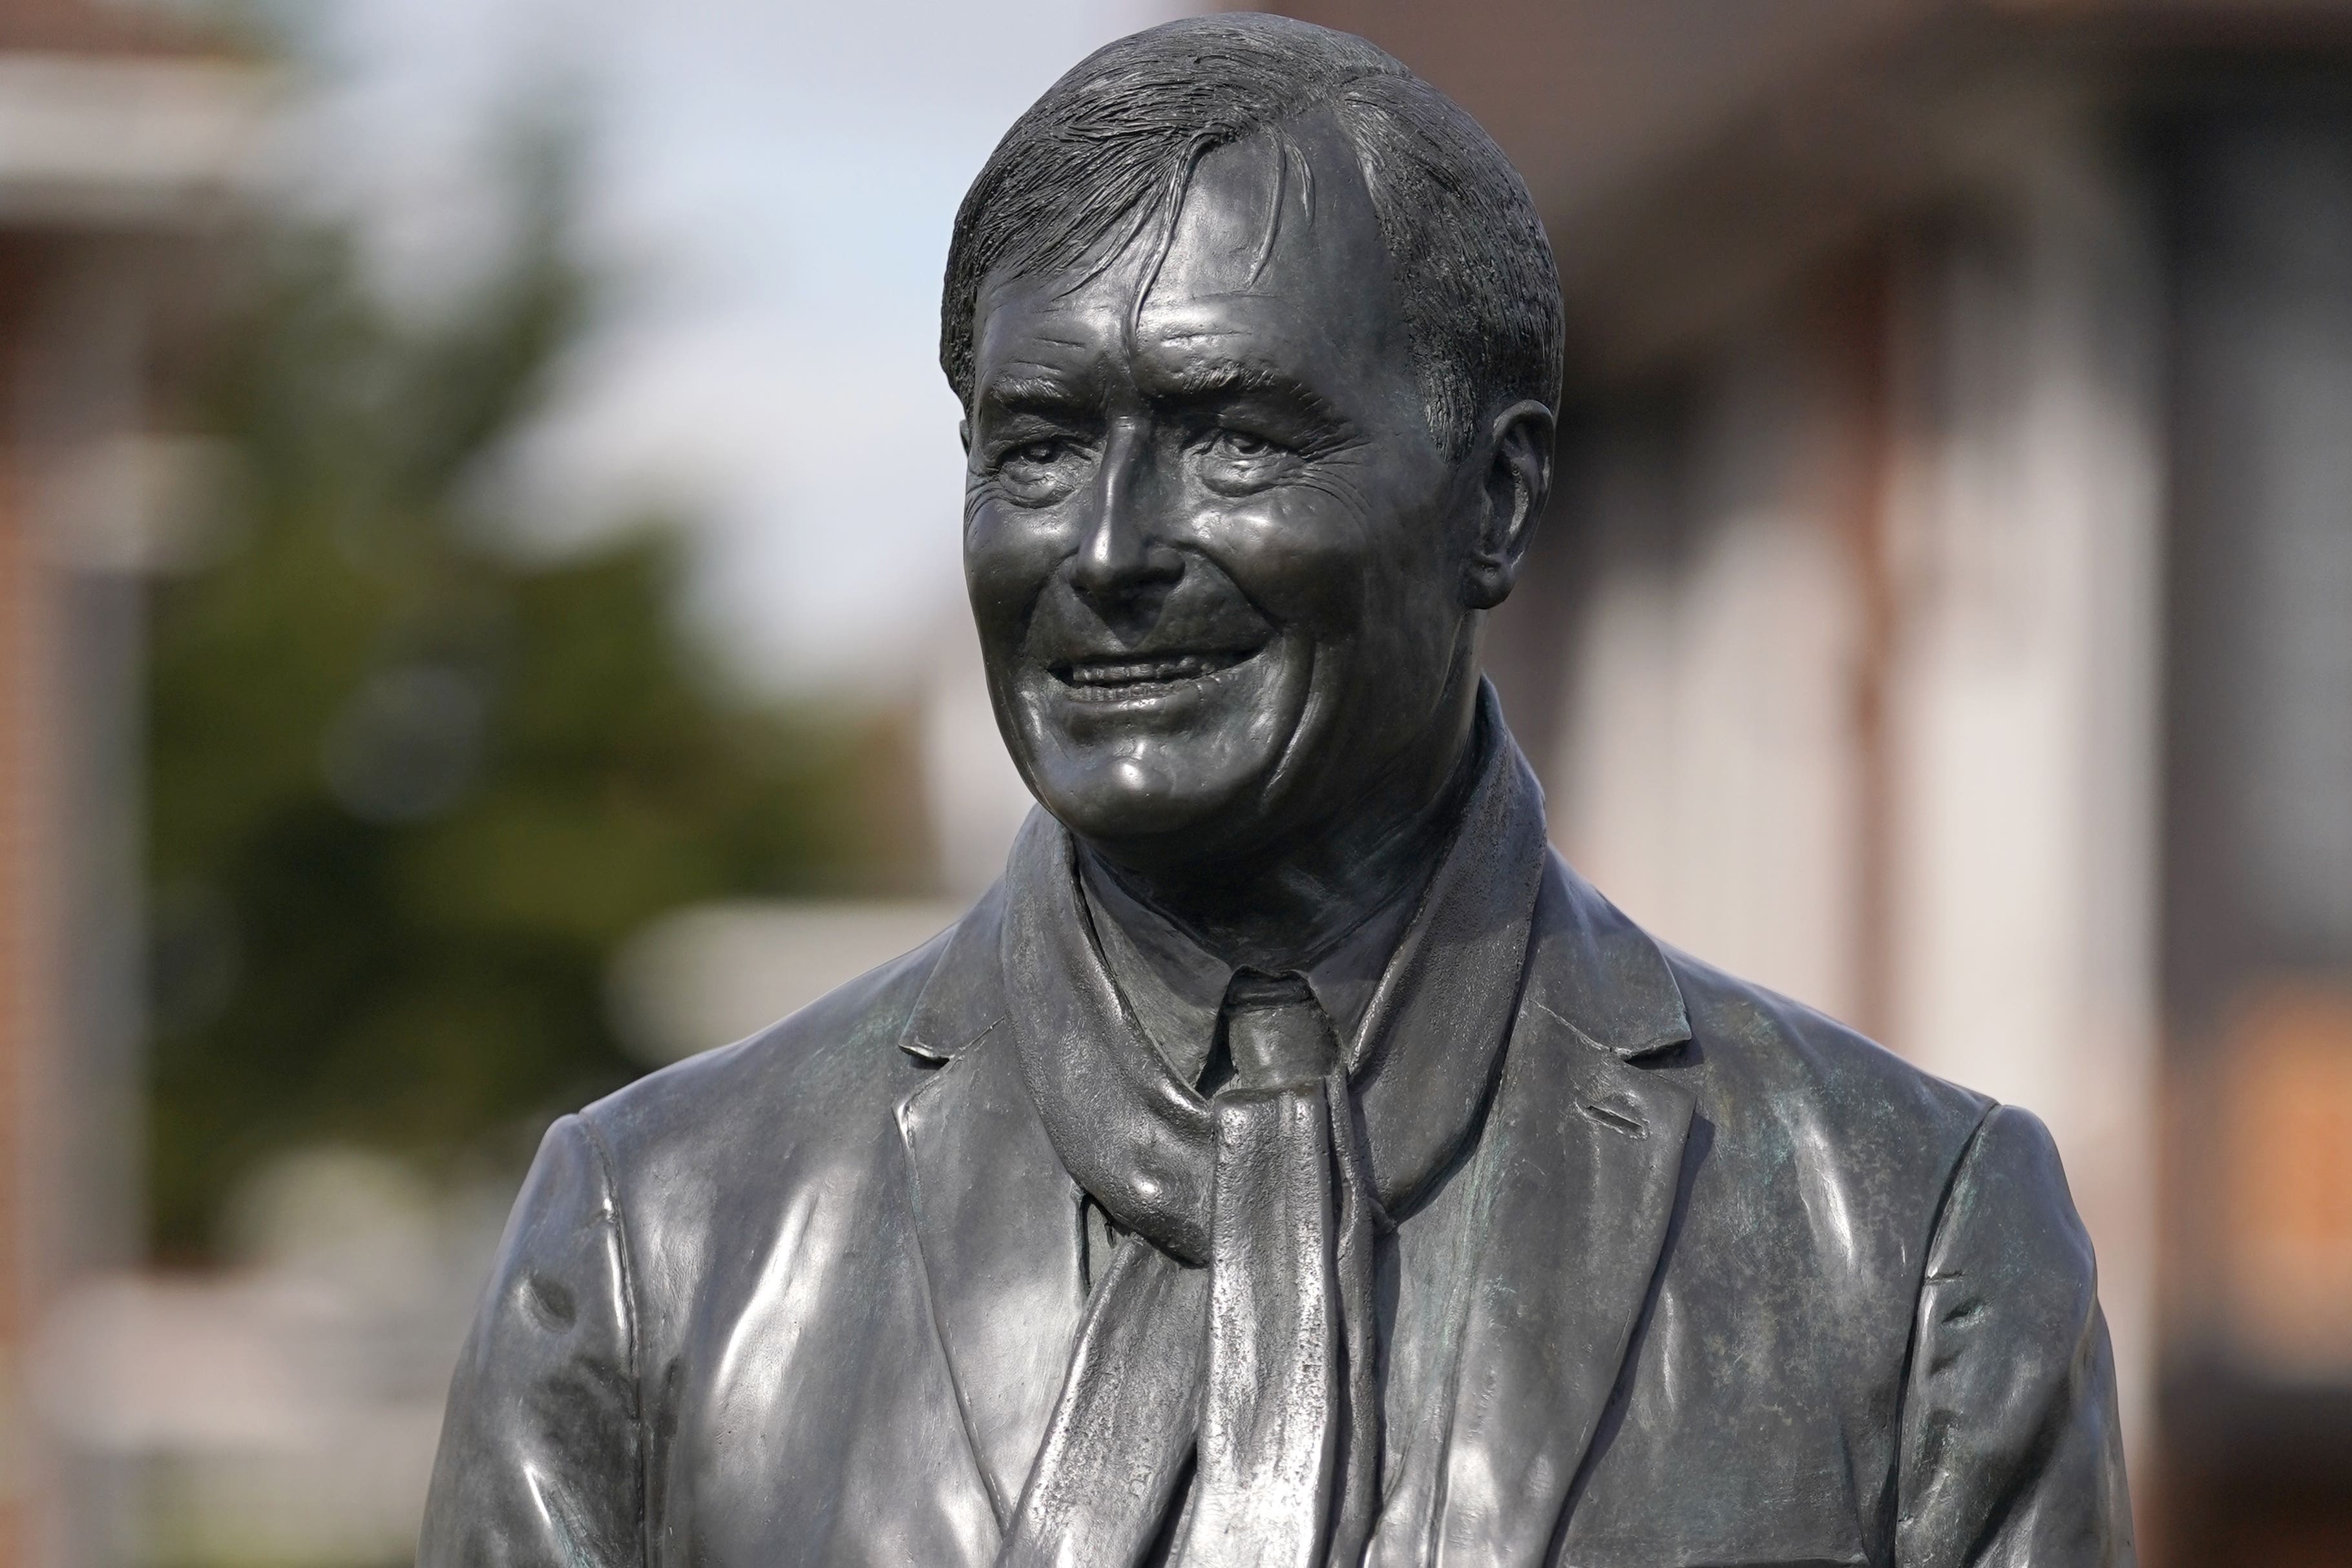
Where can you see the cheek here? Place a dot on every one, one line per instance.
(1009, 555)
(1302, 556)
(1422, 605)
(1328, 558)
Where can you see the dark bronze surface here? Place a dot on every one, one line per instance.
(1553, 1247)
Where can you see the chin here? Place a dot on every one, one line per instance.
(1195, 758)
(1156, 792)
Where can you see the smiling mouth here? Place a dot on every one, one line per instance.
(1128, 675)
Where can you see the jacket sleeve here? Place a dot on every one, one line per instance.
(541, 1448)
(2012, 1456)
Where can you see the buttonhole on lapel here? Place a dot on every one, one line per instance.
(1617, 1120)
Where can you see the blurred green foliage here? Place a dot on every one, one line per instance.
(408, 791)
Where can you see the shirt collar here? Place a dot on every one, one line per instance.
(1176, 985)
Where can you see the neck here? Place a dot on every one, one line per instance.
(1280, 911)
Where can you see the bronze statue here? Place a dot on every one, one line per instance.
(1292, 1160)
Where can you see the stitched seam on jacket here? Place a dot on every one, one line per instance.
(612, 1206)
(1893, 1522)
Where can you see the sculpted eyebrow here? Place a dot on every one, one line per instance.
(1015, 392)
(1199, 380)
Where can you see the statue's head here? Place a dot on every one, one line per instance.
(1258, 341)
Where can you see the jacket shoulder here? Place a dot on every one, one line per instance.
(827, 1066)
(1763, 1058)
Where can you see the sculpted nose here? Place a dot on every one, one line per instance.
(1120, 555)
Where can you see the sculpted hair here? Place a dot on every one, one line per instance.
(1110, 147)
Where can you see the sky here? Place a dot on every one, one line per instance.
(771, 184)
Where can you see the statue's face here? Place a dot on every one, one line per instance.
(1213, 550)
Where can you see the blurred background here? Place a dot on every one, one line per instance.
(481, 614)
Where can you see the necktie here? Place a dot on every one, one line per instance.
(1288, 1430)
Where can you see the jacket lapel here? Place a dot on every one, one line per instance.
(1577, 1185)
(996, 1219)
(1577, 1174)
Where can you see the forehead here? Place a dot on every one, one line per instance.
(1274, 254)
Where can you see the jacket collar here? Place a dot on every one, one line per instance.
(1579, 1173)
(1602, 977)
(964, 996)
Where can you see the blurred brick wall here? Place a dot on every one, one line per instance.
(79, 27)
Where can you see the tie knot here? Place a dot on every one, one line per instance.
(1276, 1032)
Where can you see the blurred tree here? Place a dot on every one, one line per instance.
(408, 791)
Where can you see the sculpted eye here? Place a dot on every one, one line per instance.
(1039, 471)
(1234, 461)
(1243, 443)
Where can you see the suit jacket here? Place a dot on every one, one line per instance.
(1750, 1291)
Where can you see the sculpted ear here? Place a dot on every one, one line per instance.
(1518, 479)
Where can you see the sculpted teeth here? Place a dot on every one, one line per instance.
(1139, 672)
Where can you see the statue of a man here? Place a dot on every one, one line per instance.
(1292, 1160)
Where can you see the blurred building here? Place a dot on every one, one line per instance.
(120, 139)
(1946, 616)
